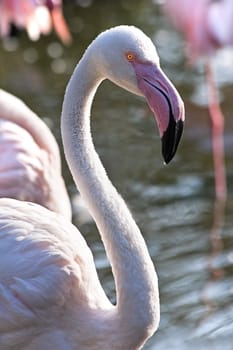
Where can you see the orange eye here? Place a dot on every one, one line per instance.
(130, 56)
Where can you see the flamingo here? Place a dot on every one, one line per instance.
(30, 165)
(37, 17)
(207, 26)
(50, 294)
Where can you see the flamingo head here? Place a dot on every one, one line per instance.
(126, 56)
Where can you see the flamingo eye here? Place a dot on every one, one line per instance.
(129, 56)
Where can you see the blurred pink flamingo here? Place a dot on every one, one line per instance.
(36, 16)
(30, 166)
(207, 26)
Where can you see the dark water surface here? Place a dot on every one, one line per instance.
(190, 239)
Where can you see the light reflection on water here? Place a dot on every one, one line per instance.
(174, 204)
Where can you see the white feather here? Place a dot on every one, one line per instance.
(51, 297)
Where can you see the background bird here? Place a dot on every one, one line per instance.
(37, 17)
(51, 296)
(207, 26)
(30, 165)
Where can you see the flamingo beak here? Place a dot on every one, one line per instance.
(165, 103)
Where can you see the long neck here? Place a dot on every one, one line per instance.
(133, 270)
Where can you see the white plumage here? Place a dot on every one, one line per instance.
(51, 297)
(30, 165)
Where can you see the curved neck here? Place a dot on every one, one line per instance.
(133, 270)
(16, 111)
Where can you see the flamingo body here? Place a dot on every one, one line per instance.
(207, 25)
(37, 17)
(30, 168)
(50, 295)
(38, 297)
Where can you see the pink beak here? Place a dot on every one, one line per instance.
(166, 104)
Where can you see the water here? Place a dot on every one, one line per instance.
(189, 238)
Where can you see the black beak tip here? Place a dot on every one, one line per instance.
(171, 138)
